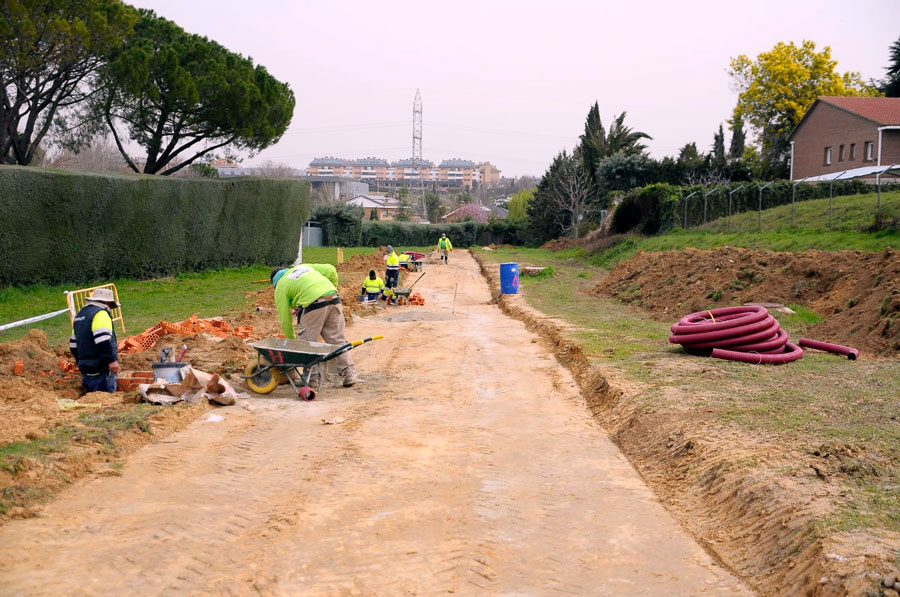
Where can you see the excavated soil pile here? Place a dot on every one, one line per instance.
(559, 244)
(204, 352)
(25, 407)
(857, 294)
(33, 350)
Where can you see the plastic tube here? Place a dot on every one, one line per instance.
(851, 353)
(748, 334)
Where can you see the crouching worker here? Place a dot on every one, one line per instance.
(372, 287)
(93, 342)
(303, 287)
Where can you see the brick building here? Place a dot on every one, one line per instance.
(843, 133)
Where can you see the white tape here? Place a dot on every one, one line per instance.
(37, 318)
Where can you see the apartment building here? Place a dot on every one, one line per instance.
(379, 173)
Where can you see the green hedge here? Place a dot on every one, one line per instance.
(341, 224)
(343, 227)
(61, 226)
(661, 207)
(461, 234)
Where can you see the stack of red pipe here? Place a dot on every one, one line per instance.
(749, 334)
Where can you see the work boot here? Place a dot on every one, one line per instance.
(350, 380)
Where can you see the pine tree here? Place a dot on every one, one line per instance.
(718, 152)
(736, 149)
(890, 86)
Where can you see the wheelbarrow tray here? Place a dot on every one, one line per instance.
(292, 352)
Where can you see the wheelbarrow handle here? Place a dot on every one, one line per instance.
(348, 346)
(417, 280)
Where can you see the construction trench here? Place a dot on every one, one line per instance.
(468, 462)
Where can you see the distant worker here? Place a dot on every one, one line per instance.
(93, 342)
(305, 287)
(445, 247)
(373, 287)
(392, 272)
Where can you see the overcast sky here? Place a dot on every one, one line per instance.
(511, 82)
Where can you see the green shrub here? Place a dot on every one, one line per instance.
(68, 227)
(341, 224)
(647, 209)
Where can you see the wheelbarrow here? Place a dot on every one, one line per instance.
(402, 294)
(277, 357)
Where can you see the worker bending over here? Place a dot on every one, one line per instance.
(305, 287)
(373, 287)
(93, 342)
(445, 247)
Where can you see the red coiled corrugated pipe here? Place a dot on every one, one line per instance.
(749, 334)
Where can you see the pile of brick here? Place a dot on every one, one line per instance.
(417, 299)
(214, 327)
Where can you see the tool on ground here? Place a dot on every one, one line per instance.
(279, 357)
(181, 353)
(403, 293)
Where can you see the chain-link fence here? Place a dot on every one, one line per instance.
(841, 205)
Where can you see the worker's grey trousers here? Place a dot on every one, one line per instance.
(328, 322)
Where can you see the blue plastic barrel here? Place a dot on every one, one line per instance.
(509, 278)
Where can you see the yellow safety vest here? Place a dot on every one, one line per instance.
(393, 261)
(376, 285)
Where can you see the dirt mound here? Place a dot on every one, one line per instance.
(204, 352)
(25, 407)
(32, 350)
(559, 244)
(856, 293)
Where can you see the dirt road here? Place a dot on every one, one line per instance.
(466, 464)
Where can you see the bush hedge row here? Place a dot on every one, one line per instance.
(661, 207)
(61, 226)
(343, 226)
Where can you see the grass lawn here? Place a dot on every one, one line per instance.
(819, 400)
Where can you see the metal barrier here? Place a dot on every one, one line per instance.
(75, 300)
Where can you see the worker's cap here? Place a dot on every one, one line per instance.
(104, 295)
(390, 249)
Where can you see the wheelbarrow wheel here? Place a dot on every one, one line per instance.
(262, 382)
(306, 393)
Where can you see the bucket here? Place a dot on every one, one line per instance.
(171, 372)
(509, 278)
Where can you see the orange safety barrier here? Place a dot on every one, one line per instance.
(148, 338)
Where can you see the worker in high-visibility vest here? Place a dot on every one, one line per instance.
(372, 287)
(321, 314)
(392, 272)
(445, 247)
(93, 342)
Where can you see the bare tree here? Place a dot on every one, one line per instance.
(99, 156)
(271, 169)
(571, 195)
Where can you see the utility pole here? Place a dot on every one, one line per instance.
(417, 147)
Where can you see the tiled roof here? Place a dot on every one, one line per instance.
(329, 161)
(457, 163)
(883, 110)
(413, 163)
(370, 162)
